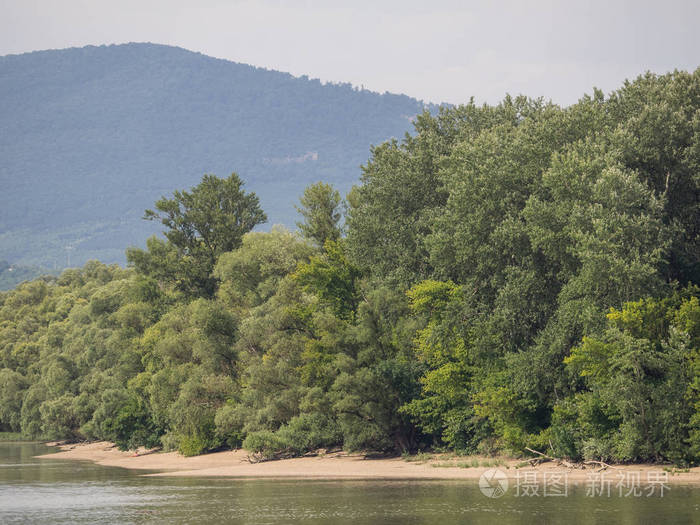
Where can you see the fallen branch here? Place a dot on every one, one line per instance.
(559, 461)
(544, 457)
(255, 457)
(260, 457)
(603, 466)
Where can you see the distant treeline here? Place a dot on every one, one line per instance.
(510, 276)
(13, 274)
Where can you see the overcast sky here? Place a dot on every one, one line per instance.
(439, 51)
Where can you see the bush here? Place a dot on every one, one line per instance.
(133, 427)
(264, 442)
(309, 432)
(229, 425)
(192, 445)
(169, 441)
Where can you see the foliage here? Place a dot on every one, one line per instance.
(201, 225)
(638, 374)
(332, 278)
(321, 209)
(133, 426)
(514, 276)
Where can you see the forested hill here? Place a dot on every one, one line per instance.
(509, 276)
(93, 136)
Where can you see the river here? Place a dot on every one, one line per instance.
(64, 491)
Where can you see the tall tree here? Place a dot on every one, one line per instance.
(321, 209)
(202, 223)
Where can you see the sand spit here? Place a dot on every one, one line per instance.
(339, 465)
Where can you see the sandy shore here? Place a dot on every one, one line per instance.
(333, 466)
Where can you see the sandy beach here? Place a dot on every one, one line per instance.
(338, 465)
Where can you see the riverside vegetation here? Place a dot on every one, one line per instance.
(509, 276)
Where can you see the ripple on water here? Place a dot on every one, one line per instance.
(58, 492)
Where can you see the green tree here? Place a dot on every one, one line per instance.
(13, 386)
(202, 223)
(660, 140)
(444, 410)
(332, 278)
(638, 370)
(251, 274)
(321, 208)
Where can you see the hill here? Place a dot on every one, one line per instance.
(93, 136)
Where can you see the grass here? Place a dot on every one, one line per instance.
(17, 436)
(471, 463)
(442, 465)
(675, 470)
(448, 460)
(421, 457)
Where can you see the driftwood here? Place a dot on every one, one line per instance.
(601, 464)
(259, 457)
(287, 453)
(542, 458)
(255, 457)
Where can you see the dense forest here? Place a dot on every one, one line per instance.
(96, 134)
(506, 276)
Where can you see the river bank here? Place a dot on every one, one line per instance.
(340, 465)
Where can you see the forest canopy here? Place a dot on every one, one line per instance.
(509, 276)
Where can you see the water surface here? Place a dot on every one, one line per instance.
(62, 491)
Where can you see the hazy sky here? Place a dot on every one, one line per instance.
(437, 51)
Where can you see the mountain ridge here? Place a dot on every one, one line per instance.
(94, 135)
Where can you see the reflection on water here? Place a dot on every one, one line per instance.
(59, 491)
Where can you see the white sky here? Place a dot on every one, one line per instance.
(439, 51)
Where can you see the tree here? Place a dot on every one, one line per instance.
(251, 274)
(378, 375)
(332, 278)
(202, 224)
(465, 309)
(639, 372)
(661, 143)
(445, 408)
(12, 389)
(404, 189)
(321, 209)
